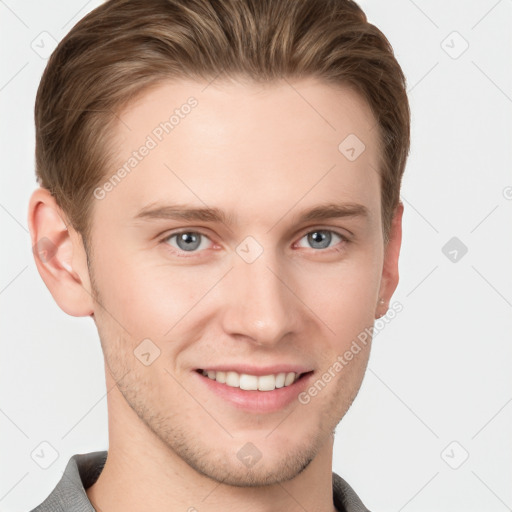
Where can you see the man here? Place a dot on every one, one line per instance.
(220, 192)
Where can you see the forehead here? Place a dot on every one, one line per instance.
(233, 145)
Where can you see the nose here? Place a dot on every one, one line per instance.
(259, 302)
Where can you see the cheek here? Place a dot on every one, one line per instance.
(342, 292)
(344, 302)
(146, 298)
(128, 293)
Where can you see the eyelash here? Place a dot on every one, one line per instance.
(192, 254)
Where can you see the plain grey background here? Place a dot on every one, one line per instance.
(431, 427)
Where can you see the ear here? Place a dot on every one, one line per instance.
(390, 276)
(59, 255)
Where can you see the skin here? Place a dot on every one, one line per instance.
(264, 155)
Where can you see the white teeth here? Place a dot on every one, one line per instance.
(248, 382)
(266, 383)
(252, 382)
(280, 378)
(290, 377)
(232, 379)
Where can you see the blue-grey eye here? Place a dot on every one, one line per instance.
(321, 238)
(187, 240)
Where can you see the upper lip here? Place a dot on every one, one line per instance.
(257, 370)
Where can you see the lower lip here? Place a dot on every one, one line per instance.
(257, 401)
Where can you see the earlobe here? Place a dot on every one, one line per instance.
(381, 305)
(59, 255)
(390, 274)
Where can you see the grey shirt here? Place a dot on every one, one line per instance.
(83, 470)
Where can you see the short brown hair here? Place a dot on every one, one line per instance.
(124, 46)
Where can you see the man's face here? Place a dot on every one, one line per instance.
(260, 291)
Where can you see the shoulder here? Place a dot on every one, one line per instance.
(69, 495)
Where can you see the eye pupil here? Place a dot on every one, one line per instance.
(320, 237)
(188, 241)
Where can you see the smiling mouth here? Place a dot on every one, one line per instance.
(248, 382)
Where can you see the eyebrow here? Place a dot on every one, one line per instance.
(186, 212)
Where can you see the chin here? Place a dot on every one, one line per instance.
(260, 474)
